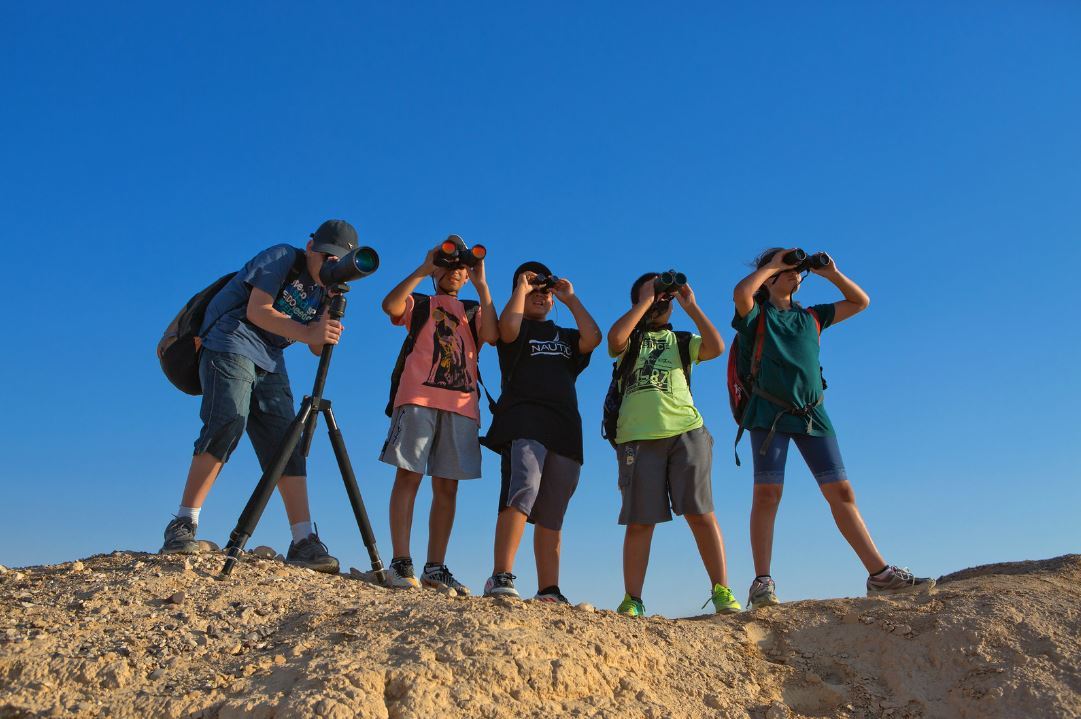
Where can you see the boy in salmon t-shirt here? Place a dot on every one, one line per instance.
(434, 415)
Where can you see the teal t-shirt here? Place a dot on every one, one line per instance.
(790, 368)
(657, 401)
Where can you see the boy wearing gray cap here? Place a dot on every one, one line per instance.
(272, 302)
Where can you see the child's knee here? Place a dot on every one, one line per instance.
(445, 488)
(767, 495)
(839, 493)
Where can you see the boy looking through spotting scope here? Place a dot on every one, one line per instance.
(273, 301)
(664, 451)
(536, 426)
(434, 417)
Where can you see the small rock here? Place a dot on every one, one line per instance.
(448, 591)
(587, 607)
(156, 674)
(77, 566)
(206, 545)
(902, 629)
(777, 711)
(177, 598)
(713, 701)
(279, 659)
(3, 569)
(264, 552)
(137, 565)
(212, 631)
(867, 620)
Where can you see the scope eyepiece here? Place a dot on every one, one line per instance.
(359, 263)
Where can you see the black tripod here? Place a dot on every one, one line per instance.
(305, 422)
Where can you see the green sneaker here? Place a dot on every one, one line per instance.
(631, 607)
(723, 601)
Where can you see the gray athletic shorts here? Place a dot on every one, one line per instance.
(434, 442)
(538, 483)
(661, 476)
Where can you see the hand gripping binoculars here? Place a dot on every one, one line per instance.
(669, 283)
(454, 253)
(361, 262)
(804, 262)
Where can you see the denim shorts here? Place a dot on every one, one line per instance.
(822, 455)
(237, 393)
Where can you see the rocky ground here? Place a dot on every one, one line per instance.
(136, 635)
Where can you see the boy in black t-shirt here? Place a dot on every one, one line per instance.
(536, 426)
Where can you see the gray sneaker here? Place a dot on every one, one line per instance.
(763, 593)
(180, 537)
(897, 580)
(438, 576)
(501, 585)
(312, 554)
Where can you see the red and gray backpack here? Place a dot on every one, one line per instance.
(742, 385)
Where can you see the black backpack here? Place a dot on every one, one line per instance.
(180, 346)
(422, 308)
(621, 371)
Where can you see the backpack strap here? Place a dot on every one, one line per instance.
(422, 308)
(818, 322)
(756, 363)
(683, 343)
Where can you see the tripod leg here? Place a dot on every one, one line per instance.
(249, 518)
(355, 500)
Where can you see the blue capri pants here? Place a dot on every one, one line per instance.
(822, 455)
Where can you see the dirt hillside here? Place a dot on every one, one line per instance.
(135, 635)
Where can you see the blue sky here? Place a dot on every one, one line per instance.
(932, 150)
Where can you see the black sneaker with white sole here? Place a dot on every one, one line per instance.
(501, 585)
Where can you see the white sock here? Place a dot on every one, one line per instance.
(191, 513)
(301, 530)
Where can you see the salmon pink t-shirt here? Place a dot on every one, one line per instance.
(441, 371)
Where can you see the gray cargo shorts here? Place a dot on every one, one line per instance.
(433, 442)
(537, 482)
(661, 476)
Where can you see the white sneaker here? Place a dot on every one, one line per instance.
(763, 593)
(400, 575)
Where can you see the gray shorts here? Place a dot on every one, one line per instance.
(538, 483)
(433, 442)
(661, 476)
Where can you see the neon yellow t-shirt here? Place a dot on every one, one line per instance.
(657, 401)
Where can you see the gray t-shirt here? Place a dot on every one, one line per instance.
(226, 327)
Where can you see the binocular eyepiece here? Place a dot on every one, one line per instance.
(454, 253)
(544, 282)
(361, 262)
(804, 262)
(669, 283)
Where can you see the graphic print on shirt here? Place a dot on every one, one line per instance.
(449, 369)
(648, 377)
(554, 347)
(297, 302)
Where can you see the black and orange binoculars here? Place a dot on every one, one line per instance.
(454, 253)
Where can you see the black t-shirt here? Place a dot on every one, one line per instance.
(540, 402)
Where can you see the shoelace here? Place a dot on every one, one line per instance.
(504, 578)
(442, 574)
(714, 595)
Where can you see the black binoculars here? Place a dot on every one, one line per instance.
(544, 282)
(669, 283)
(361, 262)
(804, 262)
(453, 253)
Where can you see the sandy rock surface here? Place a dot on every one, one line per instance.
(136, 635)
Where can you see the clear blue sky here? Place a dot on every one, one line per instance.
(935, 152)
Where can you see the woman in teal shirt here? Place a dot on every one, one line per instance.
(786, 404)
